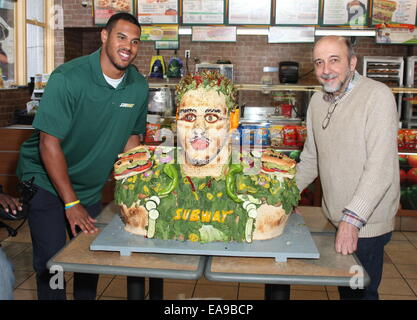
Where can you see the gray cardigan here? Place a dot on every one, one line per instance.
(355, 156)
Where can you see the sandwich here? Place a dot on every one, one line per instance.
(132, 162)
(274, 162)
(383, 11)
(386, 5)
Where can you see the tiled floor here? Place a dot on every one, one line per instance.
(399, 279)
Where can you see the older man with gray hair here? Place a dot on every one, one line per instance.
(352, 146)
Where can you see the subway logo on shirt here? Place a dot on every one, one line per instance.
(126, 105)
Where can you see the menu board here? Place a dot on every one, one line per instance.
(159, 33)
(351, 13)
(104, 9)
(214, 34)
(203, 12)
(297, 12)
(250, 12)
(394, 11)
(158, 11)
(291, 35)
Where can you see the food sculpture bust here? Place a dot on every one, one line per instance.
(203, 190)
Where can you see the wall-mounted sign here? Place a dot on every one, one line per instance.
(214, 34)
(203, 12)
(352, 13)
(291, 35)
(158, 11)
(394, 11)
(250, 12)
(297, 12)
(104, 9)
(396, 35)
(159, 33)
(167, 45)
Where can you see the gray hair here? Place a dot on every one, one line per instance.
(350, 47)
(346, 41)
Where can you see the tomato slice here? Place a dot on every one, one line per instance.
(268, 170)
(273, 170)
(138, 169)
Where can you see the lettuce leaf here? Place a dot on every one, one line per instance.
(208, 234)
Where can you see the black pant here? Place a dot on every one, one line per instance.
(48, 228)
(370, 253)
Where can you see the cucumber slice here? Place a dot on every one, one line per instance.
(150, 205)
(245, 204)
(153, 214)
(151, 228)
(242, 197)
(252, 213)
(248, 230)
(254, 200)
(155, 199)
(250, 207)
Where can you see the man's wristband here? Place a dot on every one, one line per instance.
(71, 204)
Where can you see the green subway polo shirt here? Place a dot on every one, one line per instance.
(92, 119)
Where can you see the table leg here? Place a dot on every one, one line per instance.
(156, 289)
(277, 291)
(135, 288)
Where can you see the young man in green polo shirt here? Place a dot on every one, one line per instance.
(93, 108)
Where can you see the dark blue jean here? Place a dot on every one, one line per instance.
(48, 228)
(370, 253)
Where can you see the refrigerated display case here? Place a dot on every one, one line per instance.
(388, 70)
(408, 183)
(410, 102)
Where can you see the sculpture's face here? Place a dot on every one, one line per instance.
(203, 125)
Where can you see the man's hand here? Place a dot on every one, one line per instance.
(346, 238)
(10, 203)
(78, 216)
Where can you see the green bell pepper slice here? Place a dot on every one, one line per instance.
(230, 181)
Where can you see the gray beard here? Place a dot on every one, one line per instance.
(332, 90)
(340, 87)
